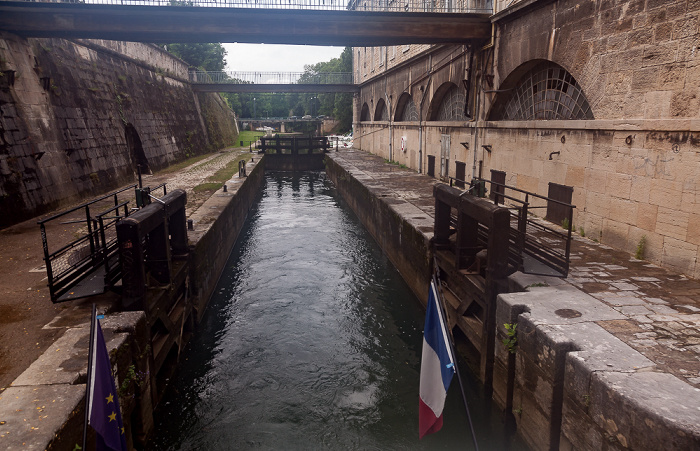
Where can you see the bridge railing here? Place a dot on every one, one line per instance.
(436, 6)
(269, 78)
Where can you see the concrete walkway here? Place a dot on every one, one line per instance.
(661, 309)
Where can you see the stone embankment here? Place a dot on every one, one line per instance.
(77, 117)
(608, 358)
(605, 359)
(43, 407)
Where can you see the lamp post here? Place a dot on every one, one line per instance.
(253, 106)
(313, 101)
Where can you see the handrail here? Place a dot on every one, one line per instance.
(58, 215)
(524, 242)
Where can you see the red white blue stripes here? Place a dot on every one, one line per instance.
(437, 368)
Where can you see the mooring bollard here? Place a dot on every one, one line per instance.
(190, 224)
(225, 189)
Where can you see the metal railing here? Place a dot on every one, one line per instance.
(535, 247)
(72, 262)
(293, 145)
(91, 239)
(270, 78)
(433, 6)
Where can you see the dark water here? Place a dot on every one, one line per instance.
(311, 341)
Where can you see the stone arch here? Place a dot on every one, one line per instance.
(138, 156)
(447, 104)
(540, 90)
(406, 109)
(364, 113)
(380, 111)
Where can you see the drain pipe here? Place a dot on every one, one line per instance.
(477, 94)
(424, 90)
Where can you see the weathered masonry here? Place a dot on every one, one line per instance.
(77, 117)
(566, 381)
(599, 96)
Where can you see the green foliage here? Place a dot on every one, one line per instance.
(209, 186)
(639, 253)
(336, 105)
(565, 223)
(581, 231)
(206, 56)
(511, 340)
(132, 377)
(538, 284)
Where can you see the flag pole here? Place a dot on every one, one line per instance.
(436, 281)
(88, 386)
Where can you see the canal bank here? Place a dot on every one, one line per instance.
(605, 359)
(43, 408)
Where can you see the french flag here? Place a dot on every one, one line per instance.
(436, 370)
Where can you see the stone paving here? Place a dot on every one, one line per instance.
(662, 308)
(25, 305)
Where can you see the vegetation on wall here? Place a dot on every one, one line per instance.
(206, 56)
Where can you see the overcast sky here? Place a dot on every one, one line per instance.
(276, 58)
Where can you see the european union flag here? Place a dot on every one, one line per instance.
(103, 403)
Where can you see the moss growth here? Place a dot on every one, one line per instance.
(210, 186)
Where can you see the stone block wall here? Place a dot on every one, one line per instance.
(79, 118)
(634, 169)
(569, 384)
(634, 59)
(624, 193)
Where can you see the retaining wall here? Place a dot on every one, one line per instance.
(217, 224)
(79, 116)
(402, 230)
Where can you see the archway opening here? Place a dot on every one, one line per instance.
(138, 156)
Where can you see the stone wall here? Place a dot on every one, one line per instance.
(634, 59)
(635, 169)
(79, 118)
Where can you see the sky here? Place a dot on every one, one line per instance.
(276, 58)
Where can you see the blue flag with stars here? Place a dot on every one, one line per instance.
(103, 402)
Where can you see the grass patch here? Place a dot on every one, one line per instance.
(227, 171)
(248, 135)
(209, 186)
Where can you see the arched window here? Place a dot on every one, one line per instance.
(448, 104)
(364, 113)
(545, 92)
(380, 112)
(406, 109)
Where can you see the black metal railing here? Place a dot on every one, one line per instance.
(432, 6)
(535, 247)
(270, 78)
(293, 145)
(87, 237)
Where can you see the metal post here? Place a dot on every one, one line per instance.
(47, 259)
(90, 234)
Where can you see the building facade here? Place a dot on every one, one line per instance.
(599, 95)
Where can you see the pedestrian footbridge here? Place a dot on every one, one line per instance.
(313, 22)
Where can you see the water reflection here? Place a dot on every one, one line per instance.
(311, 341)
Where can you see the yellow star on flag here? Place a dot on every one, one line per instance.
(112, 417)
(122, 430)
(110, 398)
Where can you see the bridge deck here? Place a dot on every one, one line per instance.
(162, 24)
(254, 88)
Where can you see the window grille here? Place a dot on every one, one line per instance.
(452, 106)
(546, 92)
(409, 112)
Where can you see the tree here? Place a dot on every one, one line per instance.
(206, 56)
